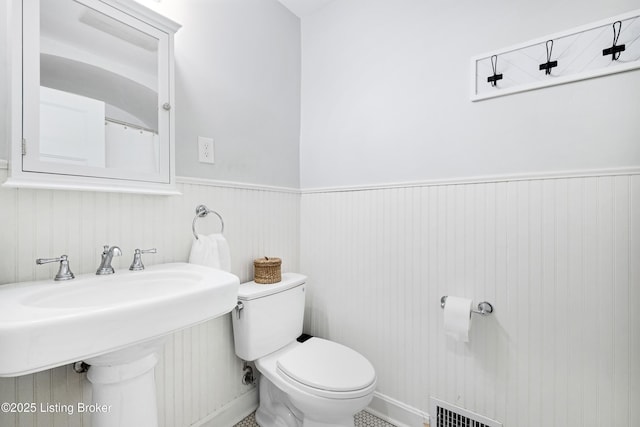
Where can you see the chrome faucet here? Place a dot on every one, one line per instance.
(107, 255)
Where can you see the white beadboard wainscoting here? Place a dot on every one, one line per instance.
(198, 377)
(558, 258)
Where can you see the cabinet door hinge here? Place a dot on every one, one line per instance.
(24, 147)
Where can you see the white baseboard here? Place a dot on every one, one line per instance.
(396, 412)
(233, 412)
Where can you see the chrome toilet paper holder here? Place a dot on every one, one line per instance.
(484, 308)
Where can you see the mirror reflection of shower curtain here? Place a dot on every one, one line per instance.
(132, 149)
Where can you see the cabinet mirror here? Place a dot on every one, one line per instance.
(96, 96)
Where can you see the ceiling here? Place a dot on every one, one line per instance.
(302, 8)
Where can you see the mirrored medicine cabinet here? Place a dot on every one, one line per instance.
(91, 96)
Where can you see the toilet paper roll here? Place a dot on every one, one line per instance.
(457, 318)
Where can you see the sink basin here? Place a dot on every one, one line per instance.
(46, 324)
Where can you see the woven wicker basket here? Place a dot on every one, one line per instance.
(267, 270)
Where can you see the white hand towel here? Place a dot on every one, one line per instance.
(211, 251)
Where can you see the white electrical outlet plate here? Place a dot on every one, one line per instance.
(205, 150)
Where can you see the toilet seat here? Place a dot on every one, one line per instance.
(327, 369)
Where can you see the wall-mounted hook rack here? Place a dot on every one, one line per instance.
(578, 54)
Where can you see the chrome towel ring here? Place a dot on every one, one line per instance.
(201, 212)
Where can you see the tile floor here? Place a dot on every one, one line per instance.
(363, 419)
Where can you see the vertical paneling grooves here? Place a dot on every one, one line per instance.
(559, 258)
(198, 372)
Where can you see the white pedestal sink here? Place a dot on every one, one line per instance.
(115, 323)
(123, 386)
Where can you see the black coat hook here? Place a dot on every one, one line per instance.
(615, 50)
(547, 66)
(494, 79)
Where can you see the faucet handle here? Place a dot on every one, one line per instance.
(137, 265)
(64, 272)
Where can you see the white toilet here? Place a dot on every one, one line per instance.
(316, 383)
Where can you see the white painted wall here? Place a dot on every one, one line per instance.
(238, 82)
(385, 95)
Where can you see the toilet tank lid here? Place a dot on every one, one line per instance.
(251, 290)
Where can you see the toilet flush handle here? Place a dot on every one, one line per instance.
(239, 307)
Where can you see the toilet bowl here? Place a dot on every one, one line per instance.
(315, 383)
(326, 382)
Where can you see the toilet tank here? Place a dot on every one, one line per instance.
(271, 316)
